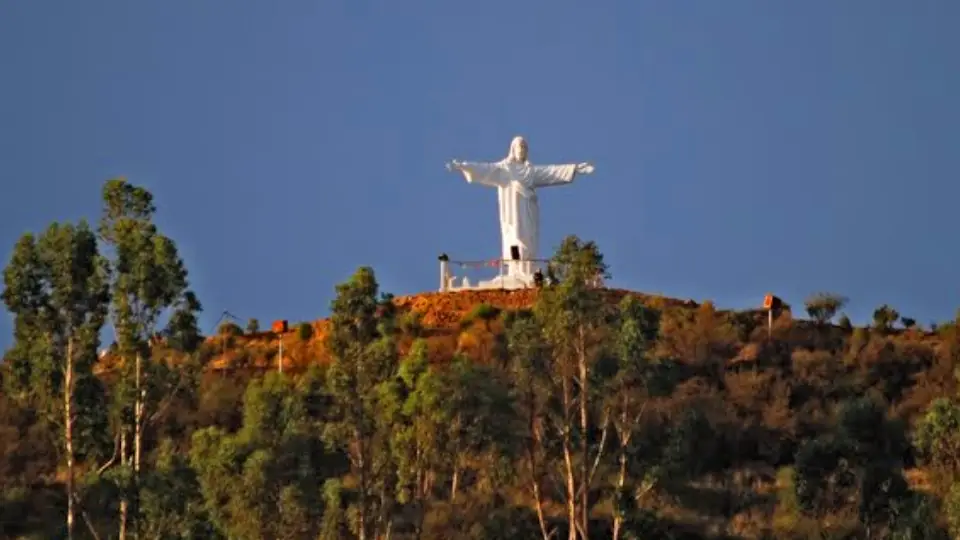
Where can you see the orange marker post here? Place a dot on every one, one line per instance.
(770, 303)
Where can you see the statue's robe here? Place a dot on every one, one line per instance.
(517, 183)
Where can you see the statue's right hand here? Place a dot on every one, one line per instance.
(453, 165)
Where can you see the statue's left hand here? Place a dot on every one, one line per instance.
(584, 168)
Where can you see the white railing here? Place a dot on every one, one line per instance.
(491, 274)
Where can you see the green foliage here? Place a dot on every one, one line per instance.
(937, 437)
(360, 383)
(149, 284)
(57, 288)
(915, 517)
(263, 482)
(822, 307)
(305, 331)
(171, 505)
(229, 329)
(481, 312)
(591, 416)
(844, 323)
(411, 324)
(952, 510)
(253, 326)
(858, 461)
(884, 317)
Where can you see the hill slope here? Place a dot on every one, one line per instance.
(438, 315)
(762, 395)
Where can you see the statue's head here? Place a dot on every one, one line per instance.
(518, 149)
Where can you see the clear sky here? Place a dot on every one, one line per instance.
(741, 146)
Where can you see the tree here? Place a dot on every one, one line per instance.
(305, 331)
(447, 419)
(149, 282)
(572, 314)
(171, 501)
(638, 330)
(822, 307)
(253, 326)
(937, 440)
(529, 359)
(884, 317)
(416, 443)
(361, 342)
(844, 323)
(56, 287)
(265, 480)
(859, 461)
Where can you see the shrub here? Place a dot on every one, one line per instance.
(822, 307)
(305, 331)
(411, 323)
(230, 329)
(480, 312)
(845, 323)
(884, 317)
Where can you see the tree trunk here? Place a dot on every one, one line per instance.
(138, 437)
(124, 461)
(621, 480)
(538, 500)
(419, 494)
(68, 434)
(456, 461)
(384, 518)
(362, 470)
(532, 449)
(584, 433)
(568, 459)
(455, 481)
(571, 489)
(138, 420)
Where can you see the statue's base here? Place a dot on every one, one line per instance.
(506, 282)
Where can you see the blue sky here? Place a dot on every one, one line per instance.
(741, 146)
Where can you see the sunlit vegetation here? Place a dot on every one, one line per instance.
(565, 412)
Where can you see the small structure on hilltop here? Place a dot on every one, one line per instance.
(517, 182)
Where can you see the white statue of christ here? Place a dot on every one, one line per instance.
(517, 182)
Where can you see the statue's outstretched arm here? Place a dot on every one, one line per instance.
(558, 175)
(487, 174)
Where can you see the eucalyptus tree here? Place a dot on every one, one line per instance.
(264, 481)
(56, 286)
(573, 314)
(149, 285)
(361, 341)
(627, 391)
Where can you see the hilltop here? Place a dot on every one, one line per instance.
(757, 387)
(434, 316)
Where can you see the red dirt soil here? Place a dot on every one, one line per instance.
(440, 316)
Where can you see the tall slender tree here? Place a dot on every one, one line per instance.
(149, 284)
(572, 314)
(533, 392)
(626, 395)
(57, 288)
(361, 342)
